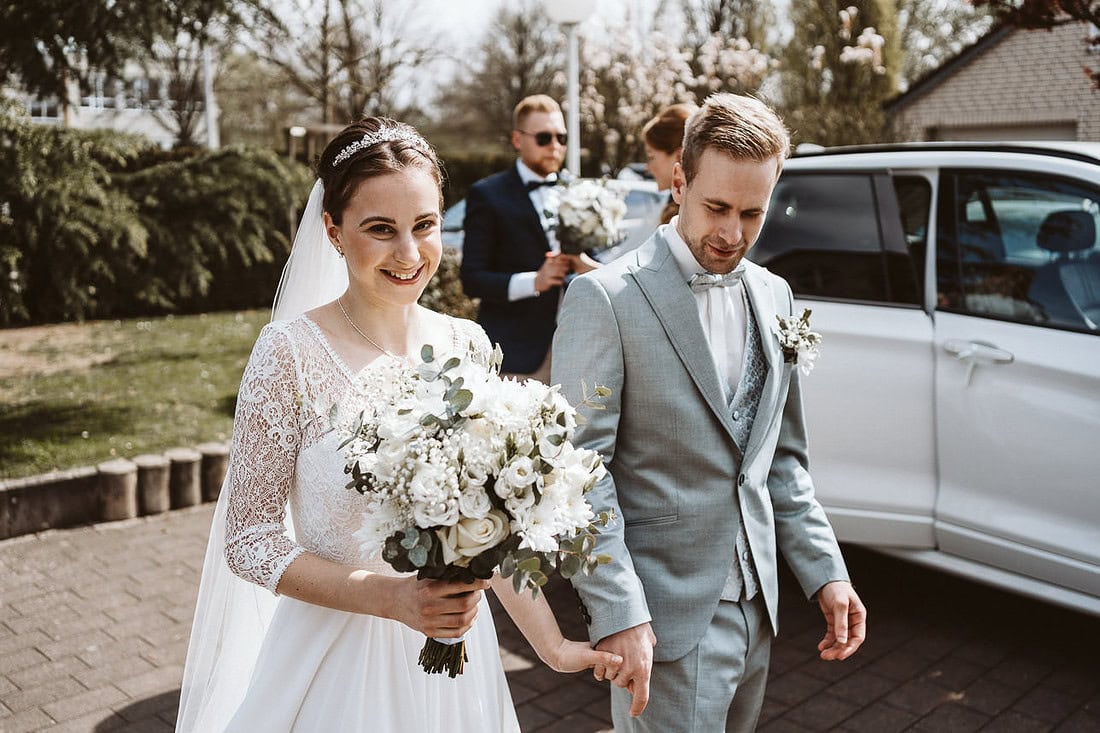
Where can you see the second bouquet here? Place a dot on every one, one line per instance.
(467, 474)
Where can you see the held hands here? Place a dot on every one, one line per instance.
(576, 656)
(845, 620)
(439, 609)
(635, 646)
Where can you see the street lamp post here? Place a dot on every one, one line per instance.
(570, 14)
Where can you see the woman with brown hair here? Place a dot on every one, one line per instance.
(664, 140)
(296, 629)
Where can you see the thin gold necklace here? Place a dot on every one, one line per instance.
(359, 331)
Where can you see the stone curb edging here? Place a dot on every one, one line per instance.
(117, 489)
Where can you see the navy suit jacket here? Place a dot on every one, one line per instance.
(503, 236)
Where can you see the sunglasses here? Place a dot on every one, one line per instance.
(542, 139)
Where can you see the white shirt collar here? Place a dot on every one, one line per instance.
(527, 175)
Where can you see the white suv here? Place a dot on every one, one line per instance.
(954, 414)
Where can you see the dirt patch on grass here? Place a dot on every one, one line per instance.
(55, 348)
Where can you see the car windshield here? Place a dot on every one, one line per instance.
(454, 217)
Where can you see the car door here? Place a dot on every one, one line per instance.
(836, 237)
(1018, 374)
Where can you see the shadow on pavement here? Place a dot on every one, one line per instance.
(157, 713)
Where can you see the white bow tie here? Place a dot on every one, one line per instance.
(702, 281)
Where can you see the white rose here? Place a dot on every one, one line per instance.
(437, 513)
(474, 474)
(474, 502)
(470, 537)
(428, 484)
(519, 473)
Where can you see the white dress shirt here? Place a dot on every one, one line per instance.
(721, 311)
(545, 199)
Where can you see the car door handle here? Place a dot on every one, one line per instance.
(978, 352)
(973, 353)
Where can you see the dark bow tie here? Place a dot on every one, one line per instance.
(703, 281)
(532, 185)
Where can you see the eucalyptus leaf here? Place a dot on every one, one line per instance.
(462, 400)
(570, 566)
(427, 353)
(530, 565)
(418, 556)
(451, 363)
(411, 539)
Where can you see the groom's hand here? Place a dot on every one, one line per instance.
(845, 620)
(635, 646)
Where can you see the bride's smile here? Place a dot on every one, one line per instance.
(390, 236)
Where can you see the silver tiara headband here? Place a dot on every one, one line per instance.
(381, 135)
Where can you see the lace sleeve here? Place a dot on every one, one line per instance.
(471, 338)
(266, 438)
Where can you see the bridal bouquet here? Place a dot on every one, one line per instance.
(466, 473)
(590, 216)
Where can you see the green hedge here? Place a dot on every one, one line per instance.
(102, 225)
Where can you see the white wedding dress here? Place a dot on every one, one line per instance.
(319, 669)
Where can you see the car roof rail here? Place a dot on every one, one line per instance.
(1054, 149)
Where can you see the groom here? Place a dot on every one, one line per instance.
(705, 443)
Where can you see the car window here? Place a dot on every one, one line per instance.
(1020, 247)
(643, 204)
(454, 217)
(914, 195)
(822, 235)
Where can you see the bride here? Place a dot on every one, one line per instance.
(294, 629)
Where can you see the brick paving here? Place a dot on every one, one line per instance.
(94, 624)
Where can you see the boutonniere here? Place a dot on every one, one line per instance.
(799, 343)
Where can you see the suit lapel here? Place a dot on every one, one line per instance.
(763, 307)
(663, 286)
(520, 200)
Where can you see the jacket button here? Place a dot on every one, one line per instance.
(741, 480)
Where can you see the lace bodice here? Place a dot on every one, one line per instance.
(283, 453)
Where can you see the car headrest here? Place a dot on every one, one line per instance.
(1067, 231)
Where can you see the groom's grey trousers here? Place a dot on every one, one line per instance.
(727, 671)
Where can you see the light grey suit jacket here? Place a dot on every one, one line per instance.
(667, 440)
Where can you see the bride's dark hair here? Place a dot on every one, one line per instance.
(371, 147)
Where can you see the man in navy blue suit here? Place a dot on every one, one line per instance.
(510, 257)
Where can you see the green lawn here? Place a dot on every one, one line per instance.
(77, 394)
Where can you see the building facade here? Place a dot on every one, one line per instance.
(1013, 84)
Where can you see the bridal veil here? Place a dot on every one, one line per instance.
(231, 614)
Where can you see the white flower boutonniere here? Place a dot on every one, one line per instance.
(799, 343)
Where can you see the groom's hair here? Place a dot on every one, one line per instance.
(533, 103)
(743, 127)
